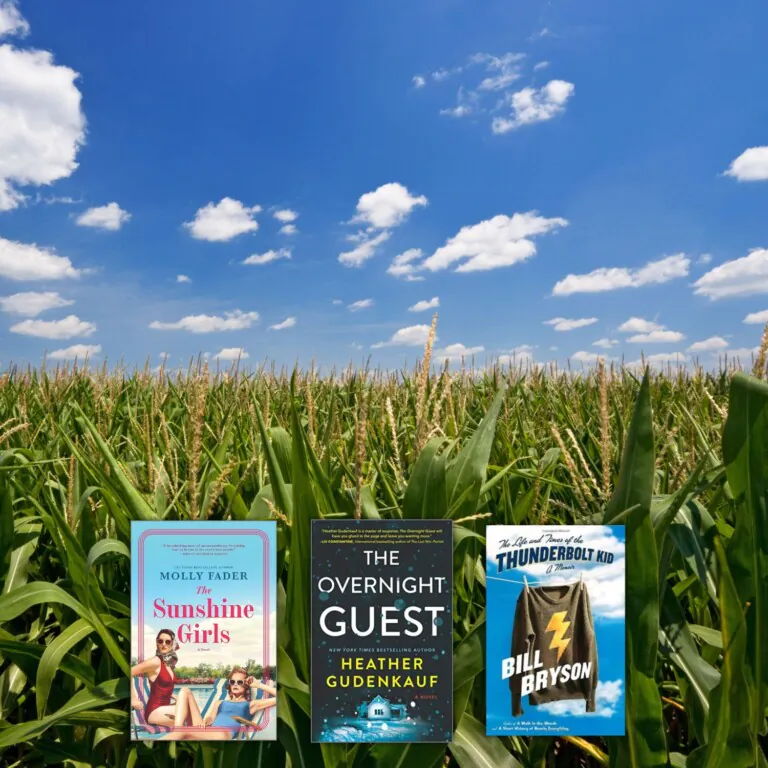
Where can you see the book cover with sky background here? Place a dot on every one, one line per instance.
(556, 636)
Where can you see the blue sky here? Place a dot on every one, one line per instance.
(509, 150)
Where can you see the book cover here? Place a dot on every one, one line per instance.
(203, 619)
(555, 638)
(382, 631)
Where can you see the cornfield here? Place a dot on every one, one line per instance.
(680, 457)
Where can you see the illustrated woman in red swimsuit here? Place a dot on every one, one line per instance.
(162, 707)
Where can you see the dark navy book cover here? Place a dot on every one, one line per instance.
(382, 631)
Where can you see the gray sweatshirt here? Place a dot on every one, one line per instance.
(556, 622)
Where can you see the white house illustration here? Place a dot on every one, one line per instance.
(379, 708)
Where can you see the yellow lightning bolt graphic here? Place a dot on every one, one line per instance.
(559, 626)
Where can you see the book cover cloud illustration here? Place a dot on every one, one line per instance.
(382, 627)
(203, 625)
(555, 639)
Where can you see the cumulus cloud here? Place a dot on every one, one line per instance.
(232, 321)
(605, 343)
(639, 325)
(412, 336)
(364, 250)
(455, 352)
(356, 306)
(607, 697)
(613, 278)
(519, 355)
(232, 353)
(422, 306)
(388, 206)
(750, 165)
(712, 344)
(661, 359)
(288, 229)
(739, 277)
(21, 261)
(223, 221)
(289, 322)
(258, 259)
(418, 81)
(110, 217)
(532, 105)
(183, 279)
(404, 265)
(497, 242)
(286, 215)
(757, 318)
(68, 327)
(657, 337)
(564, 324)
(31, 304)
(43, 126)
(589, 358)
(76, 352)
(11, 20)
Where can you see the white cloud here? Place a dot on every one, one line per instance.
(505, 70)
(740, 277)
(232, 321)
(388, 206)
(705, 258)
(516, 356)
(460, 110)
(613, 278)
(20, 261)
(412, 336)
(76, 351)
(455, 352)
(540, 65)
(222, 221)
(564, 324)
(532, 105)
(289, 322)
(497, 242)
(657, 337)
(31, 304)
(403, 265)
(183, 279)
(661, 359)
(366, 249)
(750, 165)
(288, 229)
(744, 354)
(43, 126)
(712, 344)
(258, 259)
(11, 20)
(607, 696)
(232, 353)
(68, 327)
(286, 215)
(418, 81)
(110, 217)
(639, 325)
(422, 306)
(605, 343)
(337, 302)
(355, 306)
(590, 358)
(757, 318)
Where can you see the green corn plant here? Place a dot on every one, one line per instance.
(680, 459)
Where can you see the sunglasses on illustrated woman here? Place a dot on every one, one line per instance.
(164, 642)
(237, 682)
